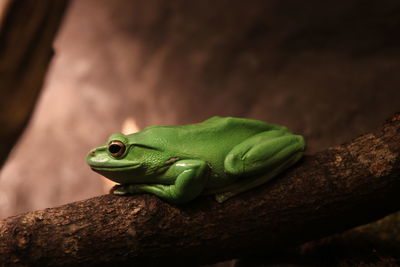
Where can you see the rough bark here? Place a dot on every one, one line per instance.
(334, 190)
(27, 31)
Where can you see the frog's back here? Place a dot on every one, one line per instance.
(209, 140)
(234, 129)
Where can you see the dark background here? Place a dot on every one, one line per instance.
(326, 69)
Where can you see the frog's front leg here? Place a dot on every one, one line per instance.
(191, 177)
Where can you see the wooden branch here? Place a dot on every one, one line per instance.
(27, 31)
(329, 192)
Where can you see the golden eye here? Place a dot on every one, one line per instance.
(116, 148)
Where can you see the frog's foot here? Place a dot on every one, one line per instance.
(124, 189)
(119, 189)
(116, 189)
(222, 197)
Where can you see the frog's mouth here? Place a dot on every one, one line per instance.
(122, 174)
(115, 168)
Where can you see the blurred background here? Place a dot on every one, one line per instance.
(328, 70)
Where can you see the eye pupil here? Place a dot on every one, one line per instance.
(116, 148)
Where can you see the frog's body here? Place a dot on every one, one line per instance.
(177, 163)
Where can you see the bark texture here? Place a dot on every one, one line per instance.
(334, 190)
(27, 31)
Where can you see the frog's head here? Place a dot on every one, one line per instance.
(121, 160)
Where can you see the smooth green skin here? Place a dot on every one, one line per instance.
(224, 156)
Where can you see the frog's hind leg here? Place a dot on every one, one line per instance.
(260, 158)
(262, 152)
(246, 184)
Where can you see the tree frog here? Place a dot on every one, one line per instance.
(222, 156)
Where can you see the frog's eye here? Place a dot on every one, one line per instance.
(116, 148)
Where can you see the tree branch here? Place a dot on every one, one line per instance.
(329, 192)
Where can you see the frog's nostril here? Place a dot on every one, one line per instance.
(93, 152)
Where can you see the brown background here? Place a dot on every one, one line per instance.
(327, 70)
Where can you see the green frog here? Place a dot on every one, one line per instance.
(222, 156)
